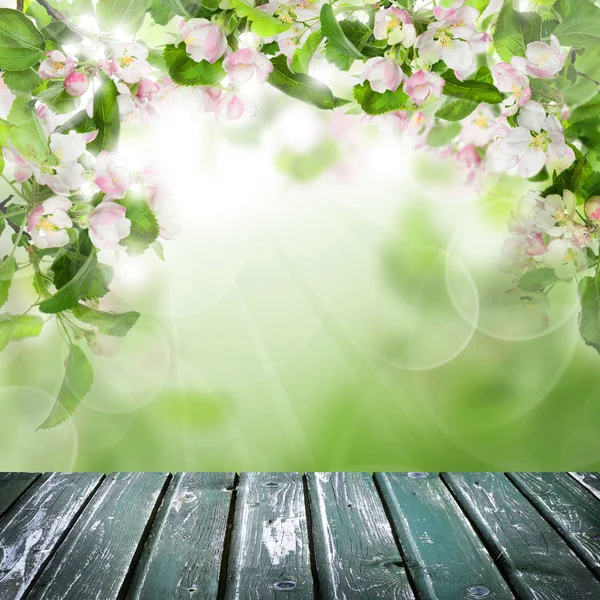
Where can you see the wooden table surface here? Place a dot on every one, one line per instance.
(284, 535)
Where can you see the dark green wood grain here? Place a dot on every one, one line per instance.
(532, 555)
(269, 556)
(182, 557)
(34, 527)
(569, 507)
(12, 485)
(591, 481)
(95, 560)
(355, 552)
(444, 555)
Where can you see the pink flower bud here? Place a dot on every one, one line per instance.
(76, 84)
(592, 208)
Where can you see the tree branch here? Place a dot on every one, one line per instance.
(55, 14)
(4, 210)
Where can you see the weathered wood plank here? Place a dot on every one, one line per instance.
(534, 558)
(571, 509)
(95, 559)
(182, 557)
(269, 555)
(591, 481)
(443, 553)
(12, 486)
(355, 552)
(35, 526)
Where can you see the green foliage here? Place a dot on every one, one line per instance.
(186, 71)
(339, 47)
(587, 131)
(28, 135)
(115, 324)
(262, 23)
(581, 27)
(455, 110)
(17, 327)
(589, 318)
(116, 14)
(144, 226)
(303, 56)
(514, 30)
(374, 103)
(105, 118)
(576, 178)
(55, 96)
(22, 83)
(441, 135)
(300, 86)
(8, 266)
(193, 8)
(306, 166)
(60, 33)
(477, 89)
(537, 279)
(21, 44)
(77, 382)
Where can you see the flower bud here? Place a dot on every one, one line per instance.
(592, 208)
(76, 84)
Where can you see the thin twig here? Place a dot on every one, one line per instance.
(20, 5)
(55, 14)
(4, 210)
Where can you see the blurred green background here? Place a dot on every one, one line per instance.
(332, 303)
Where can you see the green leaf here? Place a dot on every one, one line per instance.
(336, 37)
(144, 226)
(514, 30)
(29, 136)
(22, 83)
(587, 131)
(80, 122)
(537, 280)
(79, 377)
(456, 110)
(56, 97)
(116, 324)
(571, 178)
(76, 289)
(263, 24)
(581, 27)
(442, 135)
(300, 86)
(308, 165)
(475, 89)
(374, 103)
(184, 70)
(106, 118)
(21, 44)
(589, 318)
(303, 56)
(17, 327)
(58, 32)
(116, 14)
(8, 266)
(160, 13)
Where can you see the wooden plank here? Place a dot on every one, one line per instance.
(12, 486)
(443, 553)
(34, 527)
(569, 507)
(183, 555)
(95, 560)
(355, 552)
(591, 481)
(269, 555)
(534, 558)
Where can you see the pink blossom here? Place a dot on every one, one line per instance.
(476, 127)
(511, 81)
(161, 204)
(23, 170)
(230, 107)
(203, 39)
(469, 157)
(108, 225)
(394, 26)
(110, 177)
(48, 223)
(565, 256)
(209, 97)
(289, 40)
(246, 62)
(383, 74)
(592, 208)
(543, 60)
(421, 84)
(131, 61)
(76, 83)
(68, 147)
(56, 65)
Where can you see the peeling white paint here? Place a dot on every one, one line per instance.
(280, 538)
